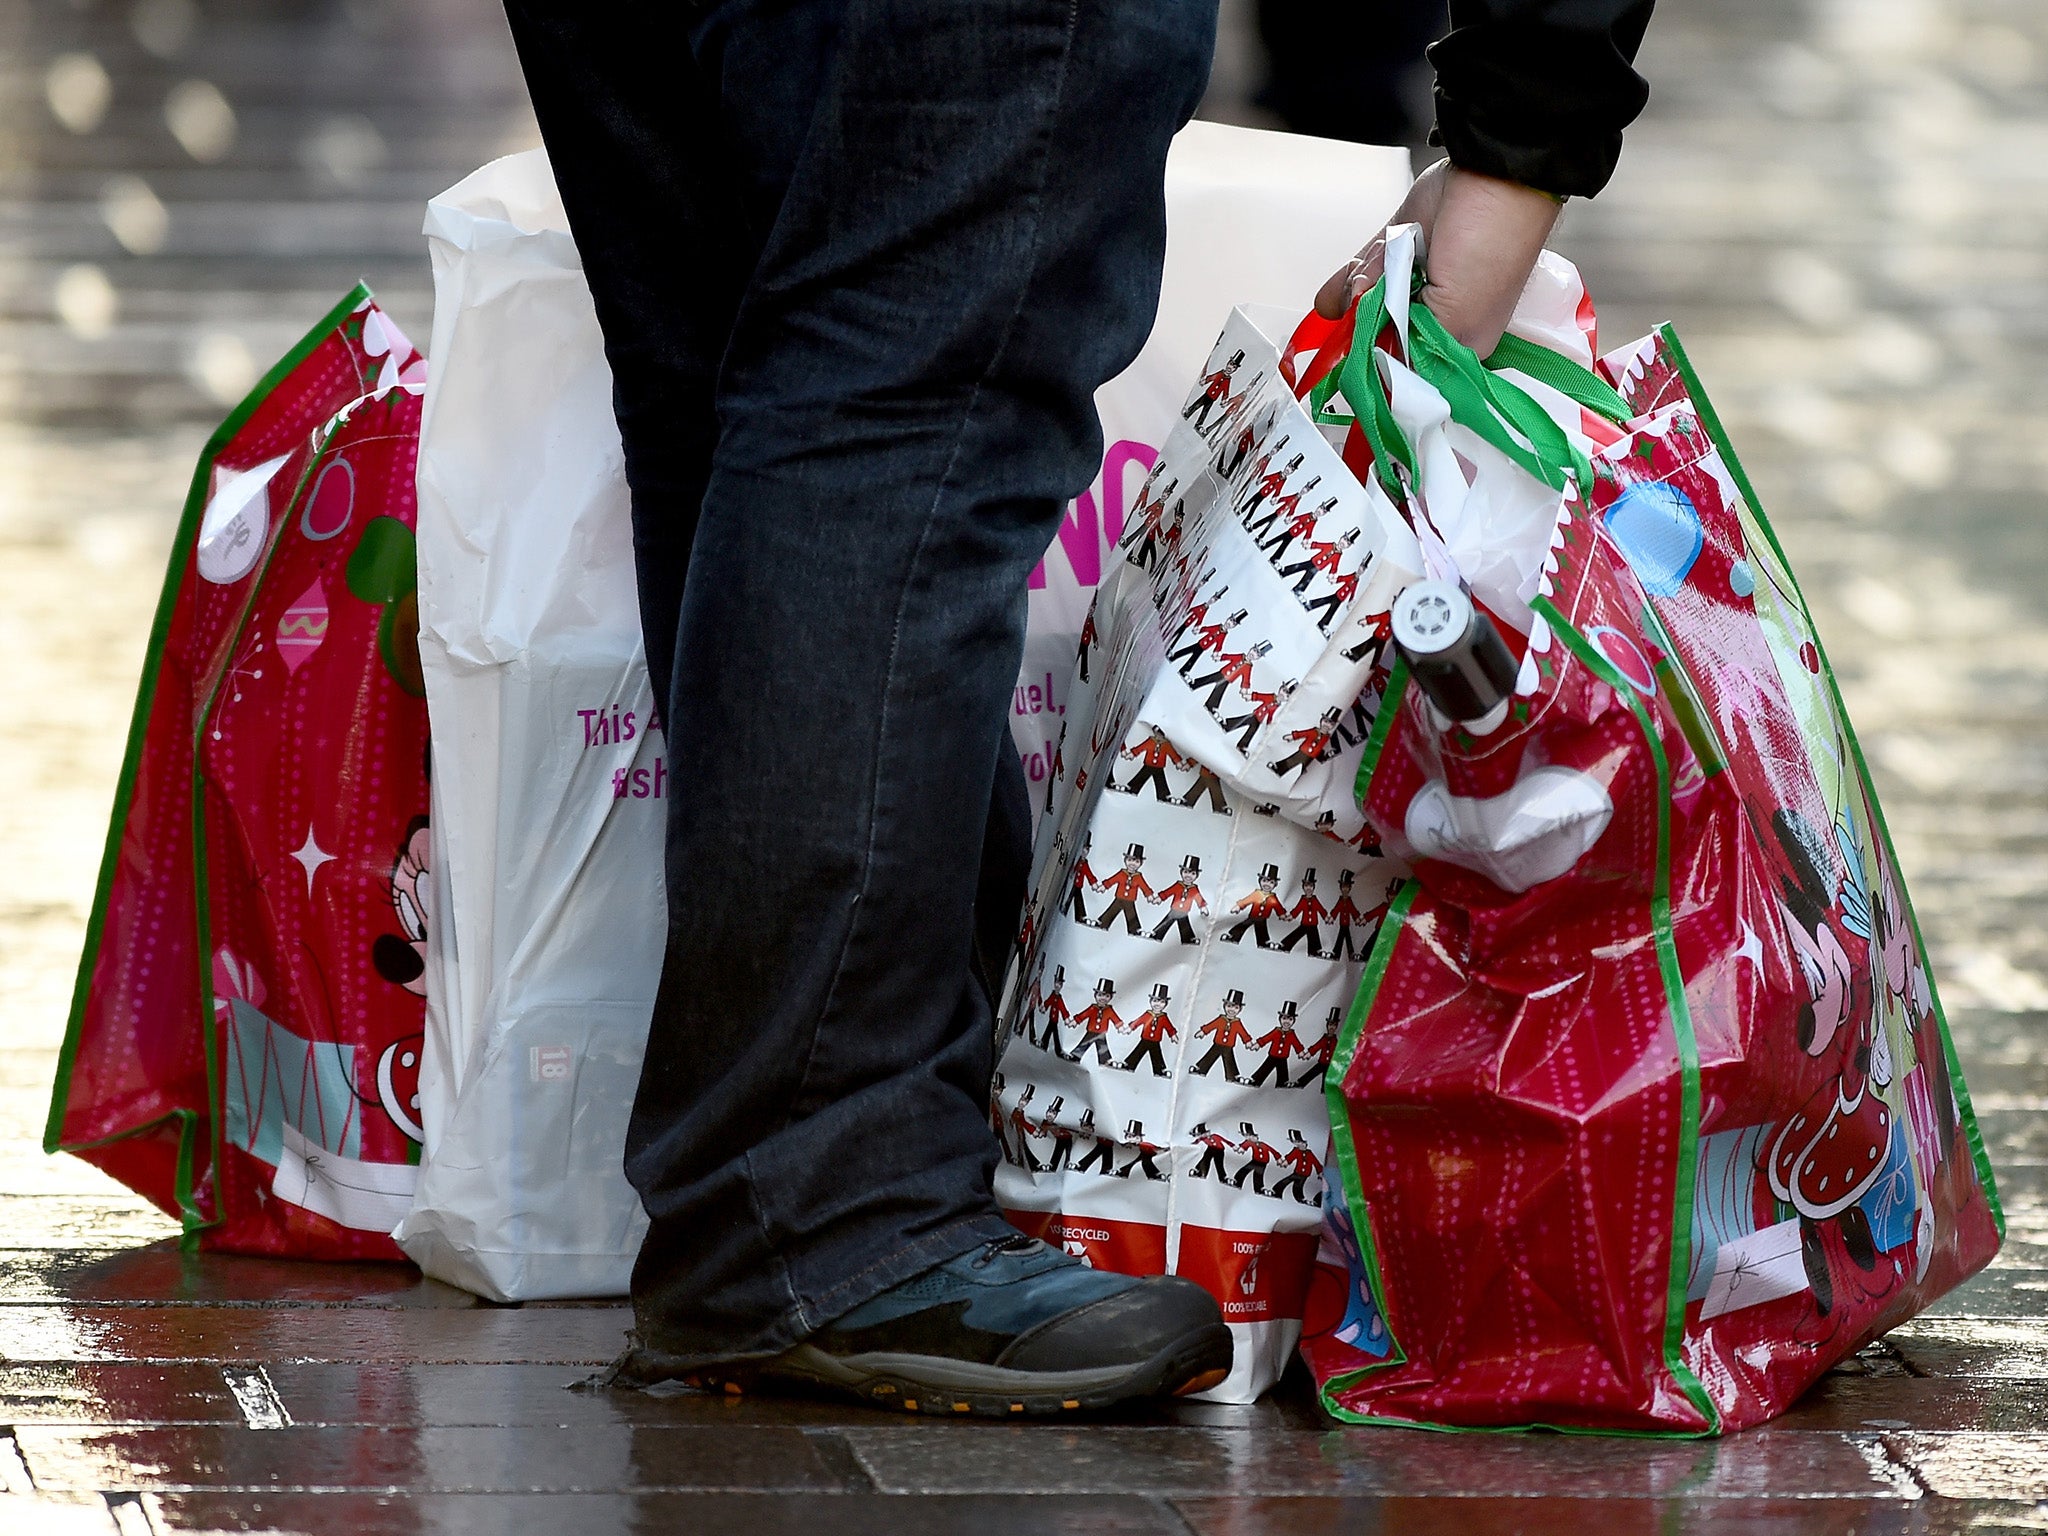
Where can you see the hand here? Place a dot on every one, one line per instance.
(1484, 236)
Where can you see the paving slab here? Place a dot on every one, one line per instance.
(164, 1274)
(515, 1459)
(640, 1514)
(1971, 1465)
(1396, 1516)
(552, 1335)
(999, 1458)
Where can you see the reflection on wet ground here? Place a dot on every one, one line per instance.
(1843, 204)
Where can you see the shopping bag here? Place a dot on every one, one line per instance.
(545, 960)
(1204, 887)
(550, 780)
(244, 1042)
(1646, 1111)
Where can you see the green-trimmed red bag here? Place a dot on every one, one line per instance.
(1646, 1113)
(244, 1042)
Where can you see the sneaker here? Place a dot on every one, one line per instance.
(1012, 1327)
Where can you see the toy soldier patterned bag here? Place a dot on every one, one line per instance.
(244, 1044)
(1204, 886)
(1646, 1113)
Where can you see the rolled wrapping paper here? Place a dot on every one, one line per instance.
(1453, 651)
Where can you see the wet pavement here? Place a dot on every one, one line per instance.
(1844, 206)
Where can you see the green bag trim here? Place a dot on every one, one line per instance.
(1680, 1014)
(1382, 726)
(1497, 410)
(1718, 435)
(1571, 379)
(182, 545)
(1345, 1148)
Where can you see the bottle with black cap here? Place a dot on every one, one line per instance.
(1454, 653)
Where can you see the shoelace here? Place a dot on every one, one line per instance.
(1016, 1242)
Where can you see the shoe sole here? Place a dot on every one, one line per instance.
(959, 1389)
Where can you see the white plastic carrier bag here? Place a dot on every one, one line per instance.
(548, 775)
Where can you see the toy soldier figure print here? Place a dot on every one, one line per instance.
(1319, 1052)
(1346, 916)
(1323, 560)
(1299, 525)
(1209, 785)
(1213, 1147)
(1083, 875)
(1062, 1138)
(1059, 767)
(1257, 1155)
(1021, 1125)
(1103, 1154)
(1289, 510)
(1149, 512)
(1096, 1021)
(1234, 671)
(1153, 754)
(1146, 555)
(1175, 529)
(1125, 887)
(1225, 1033)
(1308, 915)
(1314, 743)
(1257, 477)
(1197, 613)
(1268, 486)
(1056, 1013)
(1343, 587)
(1088, 639)
(1260, 907)
(1302, 1165)
(1134, 1136)
(1379, 632)
(1153, 1027)
(1233, 412)
(1281, 1045)
(1228, 465)
(1181, 899)
(1264, 707)
(1215, 388)
(995, 1117)
(1208, 640)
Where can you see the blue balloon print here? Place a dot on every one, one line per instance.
(1658, 531)
(1362, 1328)
(1892, 1202)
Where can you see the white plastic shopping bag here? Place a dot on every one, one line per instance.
(549, 781)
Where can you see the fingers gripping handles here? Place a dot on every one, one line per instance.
(1499, 411)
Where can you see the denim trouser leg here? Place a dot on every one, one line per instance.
(861, 265)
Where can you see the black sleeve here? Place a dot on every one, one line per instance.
(1538, 91)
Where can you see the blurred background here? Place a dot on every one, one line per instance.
(1843, 204)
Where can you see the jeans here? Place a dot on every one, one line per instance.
(860, 266)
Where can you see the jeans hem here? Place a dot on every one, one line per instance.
(656, 1353)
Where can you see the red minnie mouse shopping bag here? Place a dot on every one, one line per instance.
(244, 1043)
(1646, 1113)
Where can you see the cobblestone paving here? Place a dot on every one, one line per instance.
(1843, 204)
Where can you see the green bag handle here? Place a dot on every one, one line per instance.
(1500, 412)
